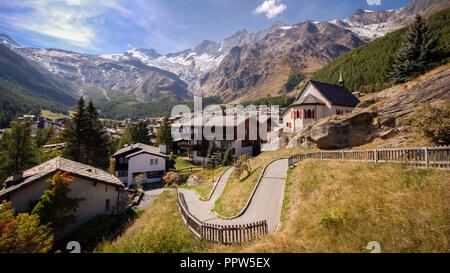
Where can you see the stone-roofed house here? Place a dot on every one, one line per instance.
(99, 189)
(139, 158)
(317, 101)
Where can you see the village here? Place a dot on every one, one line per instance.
(322, 154)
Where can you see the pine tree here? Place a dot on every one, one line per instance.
(75, 134)
(85, 138)
(140, 133)
(210, 153)
(228, 157)
(410, 61)
(18, 149)
(98, 141)
(164, 135)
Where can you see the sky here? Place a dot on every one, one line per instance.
(115, 26)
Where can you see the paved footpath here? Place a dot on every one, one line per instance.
(265, 204)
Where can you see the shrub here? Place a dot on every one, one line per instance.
(433, 122)
(242, 165)
(22, 233)
(55, 207)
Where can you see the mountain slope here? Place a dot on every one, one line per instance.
(192, 63)
(82, 70)
(24, 90)
(255, 70)
(16, 69)
(365, 68)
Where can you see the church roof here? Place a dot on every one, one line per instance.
(337, 95)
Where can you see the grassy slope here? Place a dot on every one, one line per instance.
(365, 68)
(340, 207)
(183, 163)
(206, 176)
(159, 230)
(237, 191)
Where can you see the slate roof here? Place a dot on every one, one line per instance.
(138, 147)
(60, 164)
(337, 95)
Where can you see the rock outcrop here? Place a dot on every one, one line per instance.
(352, 130)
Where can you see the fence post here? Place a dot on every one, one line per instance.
(375, 156)
(343, 156)
(321, 156)
(426, 156)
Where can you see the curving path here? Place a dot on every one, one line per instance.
(265, 204)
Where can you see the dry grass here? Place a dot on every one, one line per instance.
(206, 176)
(159, 230)
(427, 75)
(340, 207)
(404, 140)
(238, 191)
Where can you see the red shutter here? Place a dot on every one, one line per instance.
(300, 113)
(313, 113)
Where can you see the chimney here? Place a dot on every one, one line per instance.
(341, 80)
(163, 149)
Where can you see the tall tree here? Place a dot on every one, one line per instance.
(140, 133)
(164, 135)
(85, 138)
(75, 134)
(411, 60)
(98, 141)
(18, 149)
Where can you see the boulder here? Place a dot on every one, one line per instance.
(347, 131)
(193, 180)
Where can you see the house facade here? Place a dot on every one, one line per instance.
(317, 101)
(99, 189)
(229, 132)
(140, 159)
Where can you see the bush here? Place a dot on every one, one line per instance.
(22, 233)
(433, 122)
(242, 165)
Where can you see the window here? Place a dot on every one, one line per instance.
(106, 204)
(298, 113)
(309, 114)
(106, 188)
(156, 161)
(151, 161)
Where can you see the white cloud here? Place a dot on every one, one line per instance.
(373, 2)
(68, 20)
(271, 8)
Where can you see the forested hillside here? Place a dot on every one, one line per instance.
(24, 90)
(366, 68)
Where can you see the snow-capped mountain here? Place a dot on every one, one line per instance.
(6, 40)
(191, 64)
(370, 24)
(79, 71)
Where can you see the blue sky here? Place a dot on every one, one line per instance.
(114, 26)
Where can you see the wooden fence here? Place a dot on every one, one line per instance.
(225, 234)
(425, 157)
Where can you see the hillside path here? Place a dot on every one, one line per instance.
(265, 204)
